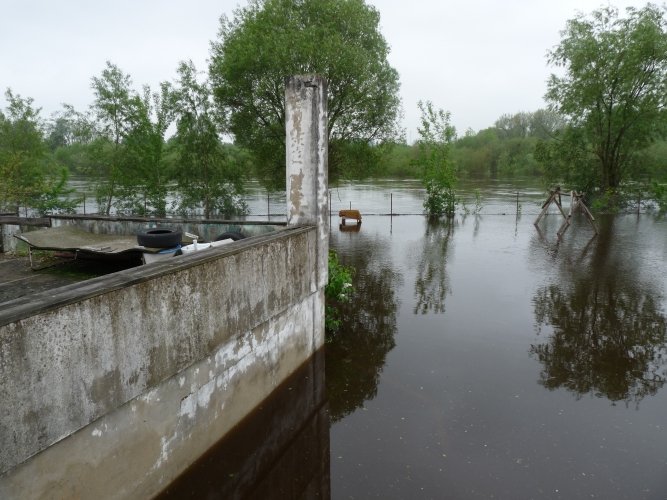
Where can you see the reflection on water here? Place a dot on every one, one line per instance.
(432, 383)
(354, 359)
(281, 450)
(609, 332)
(428, 401)
(432, 284)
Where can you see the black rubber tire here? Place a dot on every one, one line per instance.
(160, 238)
(234, 235)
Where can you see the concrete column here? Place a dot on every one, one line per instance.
(306, 128)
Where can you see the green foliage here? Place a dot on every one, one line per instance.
(208, 178)
(68, 128)
(568, 160)
(438, 175)
(477, 205)
(55, 196)
(131, 174)
(508, 149)
(613, 91)
(659, 195)
(337, 291)
(337, 39)
(399, 161)
(29, 179)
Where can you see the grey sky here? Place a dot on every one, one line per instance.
(478, 59)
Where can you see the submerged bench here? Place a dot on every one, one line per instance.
(350, 214)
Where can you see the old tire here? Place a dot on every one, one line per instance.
(159, 238)
(233, 235)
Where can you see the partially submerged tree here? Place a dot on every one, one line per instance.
(438, 175)
(146, 176)
(115, 107)
(613, 89)
(337, 39)
(207, 177)
(29, 178)
(131, 134)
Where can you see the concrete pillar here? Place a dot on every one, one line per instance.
(306, 128)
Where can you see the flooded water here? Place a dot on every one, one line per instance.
(483, 358)
(480, 358)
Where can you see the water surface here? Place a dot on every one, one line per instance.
(483, 358)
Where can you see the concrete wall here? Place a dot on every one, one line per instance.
(129, 377)
(281, 450)
(110, 388)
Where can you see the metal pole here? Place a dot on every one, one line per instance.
(391, 203)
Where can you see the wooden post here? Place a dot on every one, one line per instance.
(545, 207)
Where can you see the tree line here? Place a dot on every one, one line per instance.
(120, 145)
(203, 134)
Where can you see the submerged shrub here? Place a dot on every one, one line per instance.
(337, 291)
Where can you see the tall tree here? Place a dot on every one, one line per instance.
(132, 126)
(146, 178)
(22, 151)
(208, 178)
(613, 87)
(116, 106)
(29, 178)
(338, 39)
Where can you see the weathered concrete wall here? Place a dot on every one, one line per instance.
(127, 378)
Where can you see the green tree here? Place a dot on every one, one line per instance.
(613, 87)
(70, 136)
(337, 39)
(208, 178)
(130, 145)
(435, 137)
(116, 107)
(145, 176)
(477, 154)
(29, 177)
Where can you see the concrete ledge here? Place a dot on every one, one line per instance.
(24, 307)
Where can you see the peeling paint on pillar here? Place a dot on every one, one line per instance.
(306, 124)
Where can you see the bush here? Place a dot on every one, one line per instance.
(337, 291)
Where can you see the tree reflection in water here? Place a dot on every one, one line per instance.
(432, 283)
(609, 333)
(356, 354)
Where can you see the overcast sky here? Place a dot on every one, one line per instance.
(477, 59)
